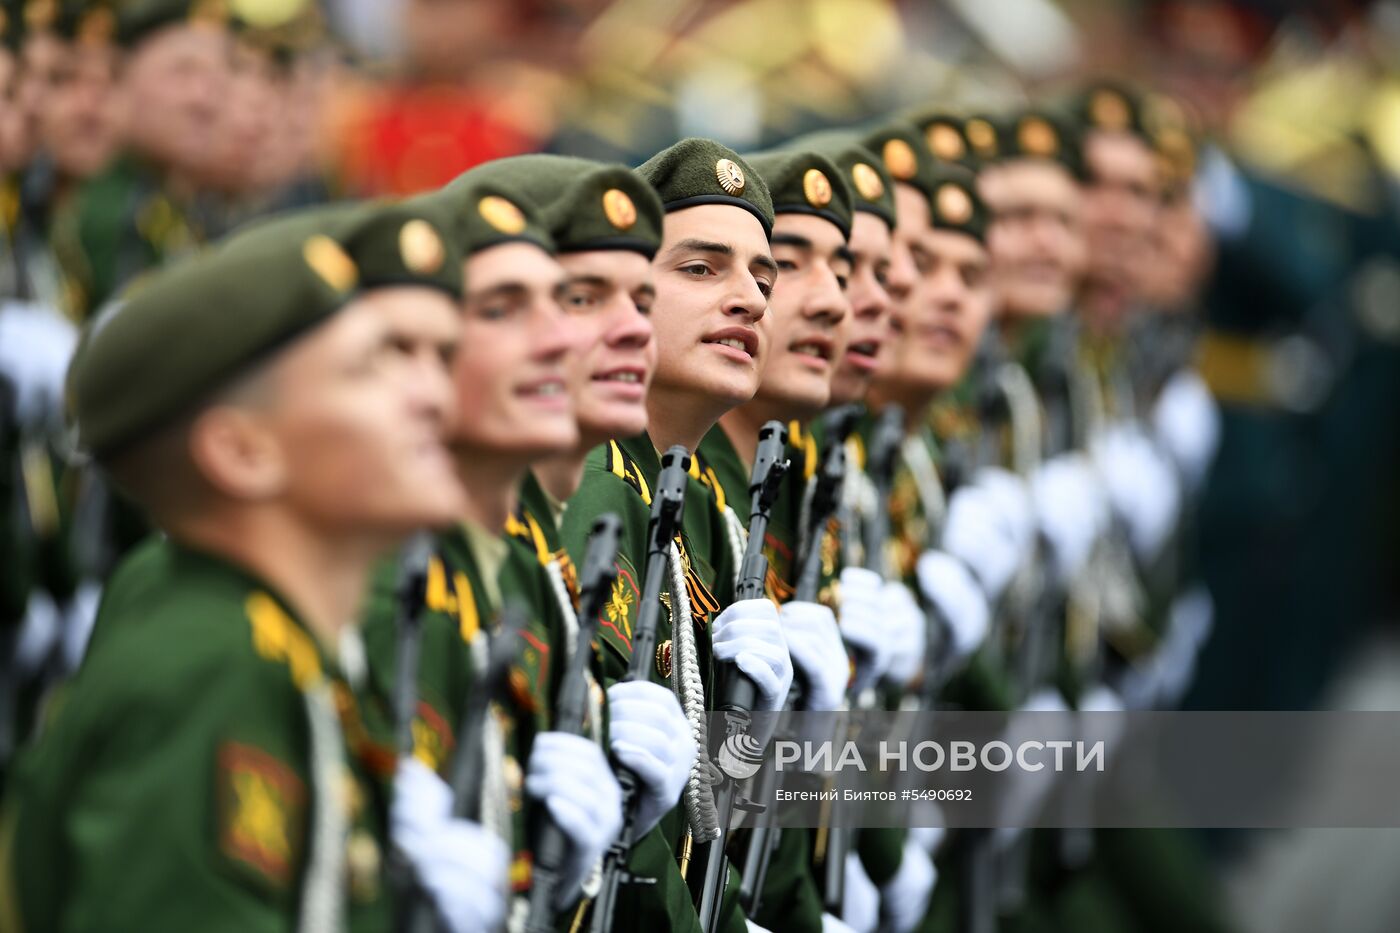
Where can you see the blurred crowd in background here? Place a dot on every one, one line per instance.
(1279, 242)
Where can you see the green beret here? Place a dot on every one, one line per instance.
(191, 328)
(955, 205)
(11, 24)
(904, 155)
(983, 140)
(138, 19)
(586, 205)
(1040, 133)
(31, 17)
(945, 137)
(701, 171)
(484, 213)
(872, 187)
(804, 182)
(401, 243)
(390, 242)
(1111, 106)
(283, 29)
(87, 21)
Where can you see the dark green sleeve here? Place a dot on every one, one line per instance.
(165, 811)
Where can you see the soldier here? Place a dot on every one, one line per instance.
(809, 323)
(259, 403)
(606, 221)
(713, 273)
(132, 216)
(509, 373)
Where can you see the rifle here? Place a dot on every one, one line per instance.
(884, 445)
(826, 492)
(468, 764)
(408, 599)
(571, 708)
(668, 499)
(737, 695)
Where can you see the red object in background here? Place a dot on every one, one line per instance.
(406, 139)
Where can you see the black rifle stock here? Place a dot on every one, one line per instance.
(596, 579)
(884, 447)
(737, 694)
(826, 496)
(468, 762)
(668, 500)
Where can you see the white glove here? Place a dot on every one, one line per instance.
(1012, 499)
(460, 864)
(863, 624)
(814, 642)
(1163, 679)
(36, 344)
(977, 534)
(948, 584)
(753, 927)
(1105, 728)
(749, 634)
(1070, 511)
(908, 632)
(1142, 487)
(832, 925)
(860, 908)
(648, 732)
(928, 838)
(78, 622)
(1027, 790)
(40, 631)
(1186, 421)
(905, 897)
(570, 774)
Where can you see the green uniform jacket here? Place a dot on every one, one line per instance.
(617, 478)
(790, 898)
(174, 787)
(457, 602)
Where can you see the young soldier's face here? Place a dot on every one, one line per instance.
(246, 126)
(1120, 208)
(80, 123)
(609, 296)
(361, 409)
(714, 273)
(40, 56)
(939, 326)
(174, 83)
(869, 326)
(1036, 238)
(810, 314)
(511, 366)
(1181, 256)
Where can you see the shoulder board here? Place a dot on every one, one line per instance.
(523, 527)
(454, 598)
(705, 474)
(277, 638)
(625, 468)
(802, 440)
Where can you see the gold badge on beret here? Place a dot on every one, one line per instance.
(421, 247)
(619, 209)
(954, 204)
(97, 26)
(663, 658)
(501, 214)
(945, 142)
(40, 14)
(1108, 110)
(209, 13)
(330, 262)
(867, 181)
(899, 159)
(730, 175)
(982, 136)
(1037, 137)
(268, 14)
(816, 187)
